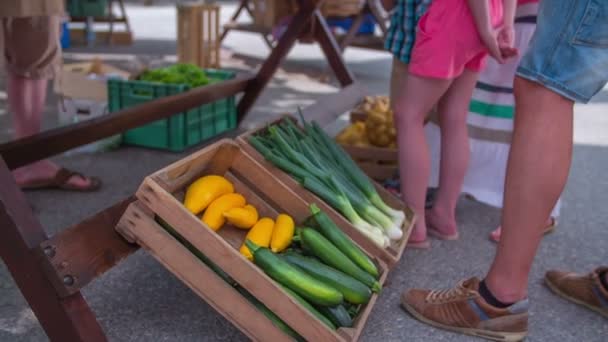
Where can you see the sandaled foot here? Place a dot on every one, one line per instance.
(586, 290)
(64, 179)
(551, 224)
(462, 310)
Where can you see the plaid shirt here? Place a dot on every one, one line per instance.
(402, 31)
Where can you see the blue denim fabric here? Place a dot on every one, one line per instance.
(569, 51)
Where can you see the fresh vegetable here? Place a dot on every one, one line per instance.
(353, 290)
(214, 215)
(260, 234)
(336, 236)
(354, 135)
(181, 73)
(274, 318)
(243, 218)
(282, 233)
(330, 255)
(195, 251)
(204, 190)
(310, 308)
(337, 315)
(321, 166)
(293, 278)
(270, 315)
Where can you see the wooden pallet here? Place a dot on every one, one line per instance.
(390, 255)
(162, 194)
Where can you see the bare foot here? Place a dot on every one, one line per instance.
(418, 237)
(46, 170)
(441, 225)
(549, 226)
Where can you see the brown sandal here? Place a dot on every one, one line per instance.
(61, 181)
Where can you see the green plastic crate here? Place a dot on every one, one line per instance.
(87, 8)
(182, 130)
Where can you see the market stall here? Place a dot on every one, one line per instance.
(51, 271)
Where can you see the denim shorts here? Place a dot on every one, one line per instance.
(569, 51)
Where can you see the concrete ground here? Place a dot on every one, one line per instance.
(141, 301)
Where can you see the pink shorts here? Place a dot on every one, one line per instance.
(447, 40)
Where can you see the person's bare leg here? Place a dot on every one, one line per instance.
(452, 109)
(549, 227)
(416, 98)
(26, 99)
(539, 161)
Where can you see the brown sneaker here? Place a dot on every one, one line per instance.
(585, 290)
(462, 310)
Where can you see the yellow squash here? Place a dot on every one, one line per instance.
(282, 234)
(260, 234)
(204, 190)
(214, 215)
(243, 218)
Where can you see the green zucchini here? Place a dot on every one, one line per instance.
(336, 236)
(337, 314)
(353, 290)
(330, 255)
(270, 315)
(293, 278)
(215, 268)
(310, 308)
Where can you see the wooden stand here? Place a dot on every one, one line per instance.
(198, 34)
(50, 271)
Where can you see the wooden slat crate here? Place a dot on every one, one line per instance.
(390, 255)
(162, 193)
(198, 34)
(380, 163)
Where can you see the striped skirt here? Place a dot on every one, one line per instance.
(490, 121)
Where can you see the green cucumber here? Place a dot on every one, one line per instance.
(310, 308)
(352, 289)
(336, 236)
(270, 315)
(337, 314)
(293, 278)
(330, 255)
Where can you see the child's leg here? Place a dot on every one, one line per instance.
(452, 109)
(415, 99)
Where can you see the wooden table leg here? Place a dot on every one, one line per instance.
(297, 25)
(65, 319)
(235, 16)
(352, 31)
(331, 50)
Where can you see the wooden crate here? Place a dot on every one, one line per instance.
(198, 34)
(162, 192)
(390, 255)
(380, 163)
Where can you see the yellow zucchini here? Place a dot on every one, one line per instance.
(260, 234)
(282, 234)
(214, 215)
(204, 191)
(243, 218)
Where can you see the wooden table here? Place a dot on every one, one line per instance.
(350, 38)
(50, 271)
